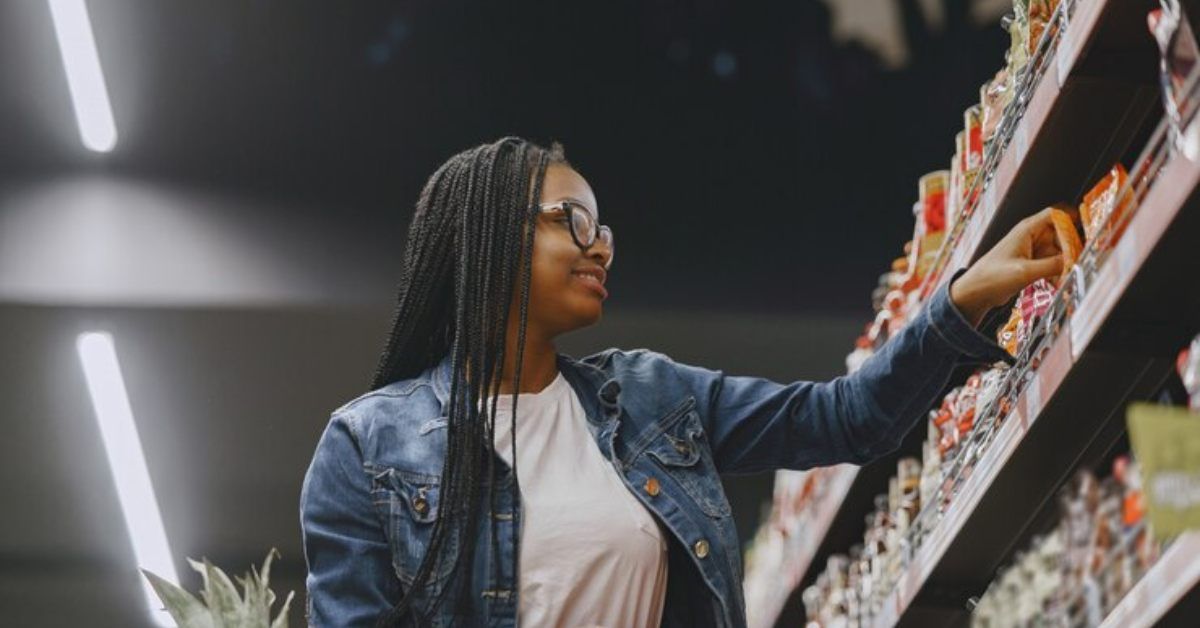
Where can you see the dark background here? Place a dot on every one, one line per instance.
(242, 241)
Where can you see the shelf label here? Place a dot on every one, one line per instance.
(1063, 60)
(1033, 399)
(1021, 141)
(1126, 254)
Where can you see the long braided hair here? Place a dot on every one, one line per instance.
(470, 241)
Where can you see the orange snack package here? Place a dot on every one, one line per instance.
(1105, 204)
(1009, 335)
(1067, 237)
(1040, 12)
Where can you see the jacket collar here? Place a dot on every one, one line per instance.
(598, 392)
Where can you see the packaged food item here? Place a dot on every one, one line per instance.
(932, 194)
(994, 96)
(973, 127)
(1188, 365)
(1067, 237)
(927, 243)
(1007, 336)
(954, 198)
(1040, 12)
(1178, 55)
(1033, 303)
(908, 473)
(965, 404)
(1017, 25)
(1105, 205)
(1080, 570)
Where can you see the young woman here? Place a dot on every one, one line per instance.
(421, 508)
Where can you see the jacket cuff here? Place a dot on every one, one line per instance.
(948, 322)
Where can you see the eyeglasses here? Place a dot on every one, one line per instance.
(585, 230)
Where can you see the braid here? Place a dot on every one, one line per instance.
(472, 226)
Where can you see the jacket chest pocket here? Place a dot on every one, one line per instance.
(682, 450)
(409, 503)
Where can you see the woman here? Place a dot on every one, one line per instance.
(420, 508)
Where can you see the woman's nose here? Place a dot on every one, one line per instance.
(600, 252)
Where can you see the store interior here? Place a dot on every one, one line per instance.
(790, 181)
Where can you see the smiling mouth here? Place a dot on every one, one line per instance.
(592, 282)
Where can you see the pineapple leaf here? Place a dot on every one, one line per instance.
(222, 598)
(185, 609)
(281, 620)
(222, 607)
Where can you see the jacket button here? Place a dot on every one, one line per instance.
(420, 505)
(701, 548)
(682, 448)
(651, 487)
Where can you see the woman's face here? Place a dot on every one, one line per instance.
(560, 300)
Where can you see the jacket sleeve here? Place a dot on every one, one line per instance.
(350, 580)
(756, 424)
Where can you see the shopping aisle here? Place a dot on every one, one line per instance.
(1021, 503)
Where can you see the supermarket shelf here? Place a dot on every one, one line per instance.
(1156, 597)
(846, 523)
(1093, 99)
(1085, 103)
(1072, 411)
(1097, 97)
(803, 543)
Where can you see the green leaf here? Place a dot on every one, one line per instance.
(222, 606)
(281, 620)
(185, 609)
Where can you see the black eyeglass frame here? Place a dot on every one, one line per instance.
(569, 207)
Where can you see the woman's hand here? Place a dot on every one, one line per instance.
(1029, 252)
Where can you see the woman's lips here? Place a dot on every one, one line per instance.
(592, 283)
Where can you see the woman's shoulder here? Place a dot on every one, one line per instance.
(643, 364)
(403, 404)
(616, 358)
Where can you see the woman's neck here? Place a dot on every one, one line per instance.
(539, 370)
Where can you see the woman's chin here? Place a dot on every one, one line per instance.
(588, 315)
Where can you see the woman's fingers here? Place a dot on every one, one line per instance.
(1044, 268)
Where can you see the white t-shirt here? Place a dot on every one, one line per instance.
(591, 554)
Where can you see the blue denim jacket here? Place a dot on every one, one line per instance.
(370, 495)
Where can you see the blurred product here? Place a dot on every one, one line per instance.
(1017, 25)
(1040, 12)
(1178, 54)
(994, 96)
(955, 208)
(1075, 574)
(1188, 365)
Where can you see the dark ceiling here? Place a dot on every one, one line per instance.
(745, 159)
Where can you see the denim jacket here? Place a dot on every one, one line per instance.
(370, 495)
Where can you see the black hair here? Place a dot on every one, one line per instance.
(469, 242)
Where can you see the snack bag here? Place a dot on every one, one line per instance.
(1033, 303)
(1040, 12)
(994, 96)
(1067, 237)
(1017, 25)
(1007, 336)
(1179, 54)
(1105, 204)
(1188, 365)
